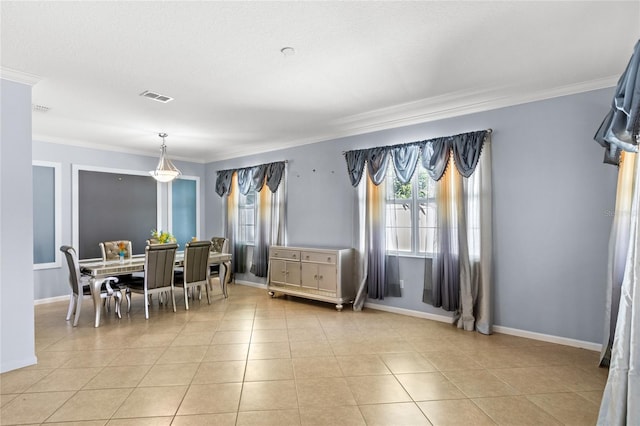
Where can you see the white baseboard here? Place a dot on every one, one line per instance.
(66, 297)
(51, 300)
(548, 338)
(496, 328)
(250, 284)
(409, 312)
(14, 365)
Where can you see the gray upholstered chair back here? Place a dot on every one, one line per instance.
(220, 245)
(74, 269)
(196, 261)
(158, 265)
(111, 251)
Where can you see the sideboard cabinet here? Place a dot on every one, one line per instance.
(314, 273)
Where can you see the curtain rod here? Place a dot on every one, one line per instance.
(489, 131)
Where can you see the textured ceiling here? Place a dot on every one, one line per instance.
(358, 67)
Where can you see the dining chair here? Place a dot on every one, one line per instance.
(177, 270)
(81, 286)
(159, 260)
(218, 245)
(110, 250)
(196, 270)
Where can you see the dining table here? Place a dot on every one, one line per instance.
(100, 270)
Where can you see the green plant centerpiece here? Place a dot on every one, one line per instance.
(162, 237)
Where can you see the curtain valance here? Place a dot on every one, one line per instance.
(620, 129)
(251, 178)
(434, 154)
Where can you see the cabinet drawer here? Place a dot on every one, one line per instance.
(278, 253)
(314, 256)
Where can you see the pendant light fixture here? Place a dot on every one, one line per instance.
(166, 171)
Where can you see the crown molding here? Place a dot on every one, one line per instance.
(19, 76)
(460, 103)
(41, 137)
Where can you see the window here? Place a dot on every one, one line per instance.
(411, 213)
(184, 215)
(247, 217)
(47, 220)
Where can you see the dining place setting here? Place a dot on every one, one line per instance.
(161, 271)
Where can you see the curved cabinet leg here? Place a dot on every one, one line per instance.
(339, 307)
(272, 294)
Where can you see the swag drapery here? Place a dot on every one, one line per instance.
(268, 182)
(461, 275)
(620, 131)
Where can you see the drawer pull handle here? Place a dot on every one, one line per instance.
(307, 256)
(320, 277)
(294, 256)
(328, 259)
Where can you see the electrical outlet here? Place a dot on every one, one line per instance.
(401, 283)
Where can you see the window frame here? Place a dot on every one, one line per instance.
(251, 207)
(57, 212)
(197, 206)
(414, 202)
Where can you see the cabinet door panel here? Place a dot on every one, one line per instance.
(309, 277)
(277, 271)
(293, 273)
(327, 278)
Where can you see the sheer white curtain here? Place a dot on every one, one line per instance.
(620, 131)
(618, 249)
(621, 399)
(360, 243)
(462, 261)
(371, 241)
(270, 229)
(237, 247)
(475, 286)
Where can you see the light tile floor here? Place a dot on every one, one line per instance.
(254, 360)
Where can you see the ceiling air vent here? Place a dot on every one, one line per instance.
(39, 108)
(156, 96)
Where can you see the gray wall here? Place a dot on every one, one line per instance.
(53, 282)
(17, 340)
(551, 195)
(138, 195)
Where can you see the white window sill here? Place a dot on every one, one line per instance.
(411, 255)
